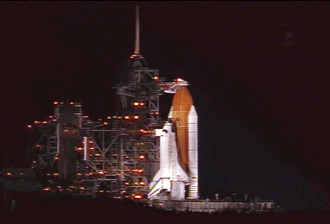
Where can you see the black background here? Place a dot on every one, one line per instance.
(262, 105)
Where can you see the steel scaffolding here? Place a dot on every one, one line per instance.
(119, 155)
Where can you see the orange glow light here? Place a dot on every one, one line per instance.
(47, 189)
(138, 196)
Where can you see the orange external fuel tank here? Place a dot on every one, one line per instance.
(181, 107)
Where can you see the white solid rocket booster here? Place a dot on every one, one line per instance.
(193, 152)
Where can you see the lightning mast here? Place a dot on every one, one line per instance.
(137, 31)
(139, 95)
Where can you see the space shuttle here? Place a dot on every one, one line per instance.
(178, 173)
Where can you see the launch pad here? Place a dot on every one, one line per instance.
(134, 154)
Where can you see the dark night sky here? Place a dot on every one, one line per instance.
(262, 104)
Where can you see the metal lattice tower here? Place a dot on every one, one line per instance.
(119, 155)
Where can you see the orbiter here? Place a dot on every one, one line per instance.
(178, 151)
